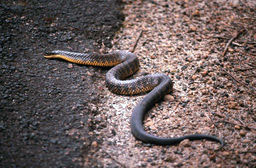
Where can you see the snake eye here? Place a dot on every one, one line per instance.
(49, 53)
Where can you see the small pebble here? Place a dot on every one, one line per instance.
(213, 156)
(219, 165)
(247, 141)
(89, 73)
(192, 28)
(237, 127)
(169, 159)
(196, 13)
(205, 56)
(94, 144)
(185, 143)
(153, 57)
(229, 84)
(194, 77)
(70, 66)
(209, 82)
(205, 91)
(231, 50)
(169, 98)
(149, 123)
(234, 3)
(226, 153)
(204, 99)
(204, 73)
(232, 105)
(242, 133)
(214, 90)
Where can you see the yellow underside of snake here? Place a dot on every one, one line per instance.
(125, 64)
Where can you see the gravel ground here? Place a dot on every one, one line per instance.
(48, 107)
(214, 93)
(57, 114)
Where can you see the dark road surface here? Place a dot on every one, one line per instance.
(42, 100)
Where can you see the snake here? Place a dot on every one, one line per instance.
(124, 64)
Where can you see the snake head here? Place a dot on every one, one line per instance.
(51, 54)
(48, 53)
(54, 52)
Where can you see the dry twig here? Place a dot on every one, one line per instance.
(230, 41)
(137, 40)
(233, 123)
(122, 165)
(226, 38)
(251, 89)
(237, 81)
(245, 69)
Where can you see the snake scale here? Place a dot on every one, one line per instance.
(125, 64)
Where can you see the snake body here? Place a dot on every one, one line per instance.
(126, 64)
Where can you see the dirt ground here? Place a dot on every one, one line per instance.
(57, 114)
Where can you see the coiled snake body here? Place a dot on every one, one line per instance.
(125, 64)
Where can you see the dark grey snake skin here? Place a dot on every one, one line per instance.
(125, 64)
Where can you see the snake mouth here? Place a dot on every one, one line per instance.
(51, 54)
